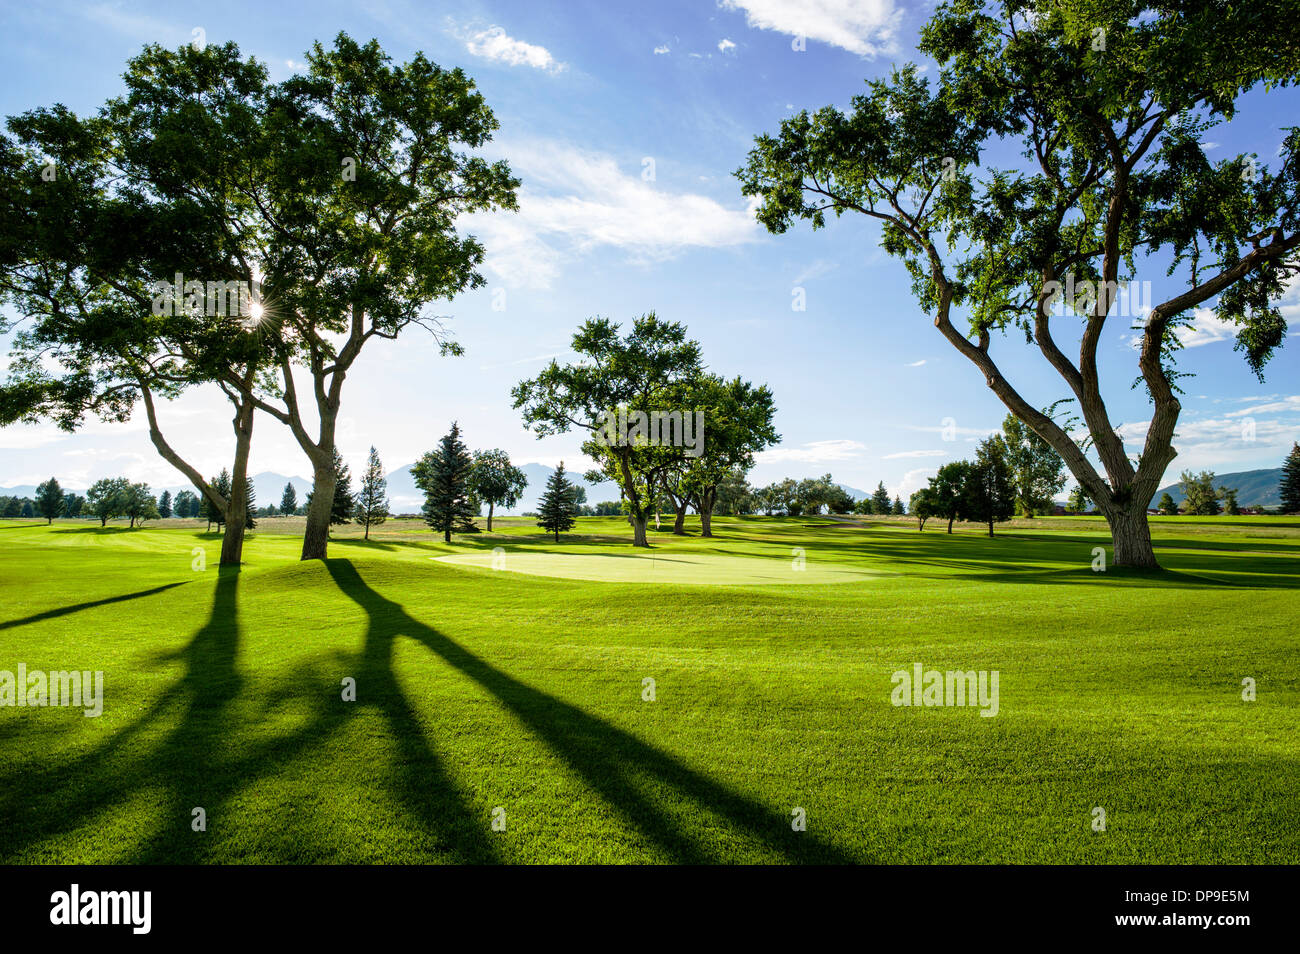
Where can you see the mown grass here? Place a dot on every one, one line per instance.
(479, 689)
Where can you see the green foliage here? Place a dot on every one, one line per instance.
(49, 500)
(1200, 496)
(989, 492)
(880, 499)
(948, 490)
(372, 498)
(653, 368)
(555, 512)
(165, 504)
(1167, 505)
(107, 498)
(1290, 487)
(140, 504)
(289, 500)
(1037, 470)
(445, 477)
(496, 481)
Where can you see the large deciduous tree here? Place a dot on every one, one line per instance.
(651, 370)
(1108, 101)
(1036, 469)
(495, 481)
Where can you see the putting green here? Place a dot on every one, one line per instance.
(703, 569)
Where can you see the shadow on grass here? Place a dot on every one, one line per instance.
(66, 610)
(200, 760)
(623, 769)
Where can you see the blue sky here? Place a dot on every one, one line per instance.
(624, 122)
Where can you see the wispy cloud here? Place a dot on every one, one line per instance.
(915, 453)
(575, 200)
(864, 27)
(916, 364)
(816, 452)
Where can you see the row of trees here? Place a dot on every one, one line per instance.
(982, 490)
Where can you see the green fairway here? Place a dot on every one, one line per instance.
(525, 691)
(702, 569)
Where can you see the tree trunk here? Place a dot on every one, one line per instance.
(103, 521)
(679, 523)
(446, 535)
(232, 544)
(367, 530)
(315, 539)
(638, 531)
(491, 506)
(990, 526)
(950, 520)
(1132, 536)
(707, 499)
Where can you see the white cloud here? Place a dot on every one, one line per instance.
(864, 27)
(817, 452)
(574, 200)
(916, 364)
(662, 50)
(725, 45)
(495, 44)
(915, 453)
(913, 481)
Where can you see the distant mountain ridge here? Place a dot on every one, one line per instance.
(1255, 488)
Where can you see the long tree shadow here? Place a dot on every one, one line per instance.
(192, 765)
(77, 608)
(620, 767)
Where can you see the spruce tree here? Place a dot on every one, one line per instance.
(250, 504)
(372, 498)
(1290, 488)
(880, 500)
(221, 484)
(555, 512)
(165, 504)
(444, 476)
(344, 500)
(289, 501)
(899, 509)
(1167, 505)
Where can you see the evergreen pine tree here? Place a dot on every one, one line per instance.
(165, 504)
(289, 501)
(555, 513)
(444, 476)
(880, 500)
(250, 505)
(1290, 488)
(221, 484)
(899, 509)
(372, 498)
(1167, 505)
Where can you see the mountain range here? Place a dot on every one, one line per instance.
(1255, 488)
